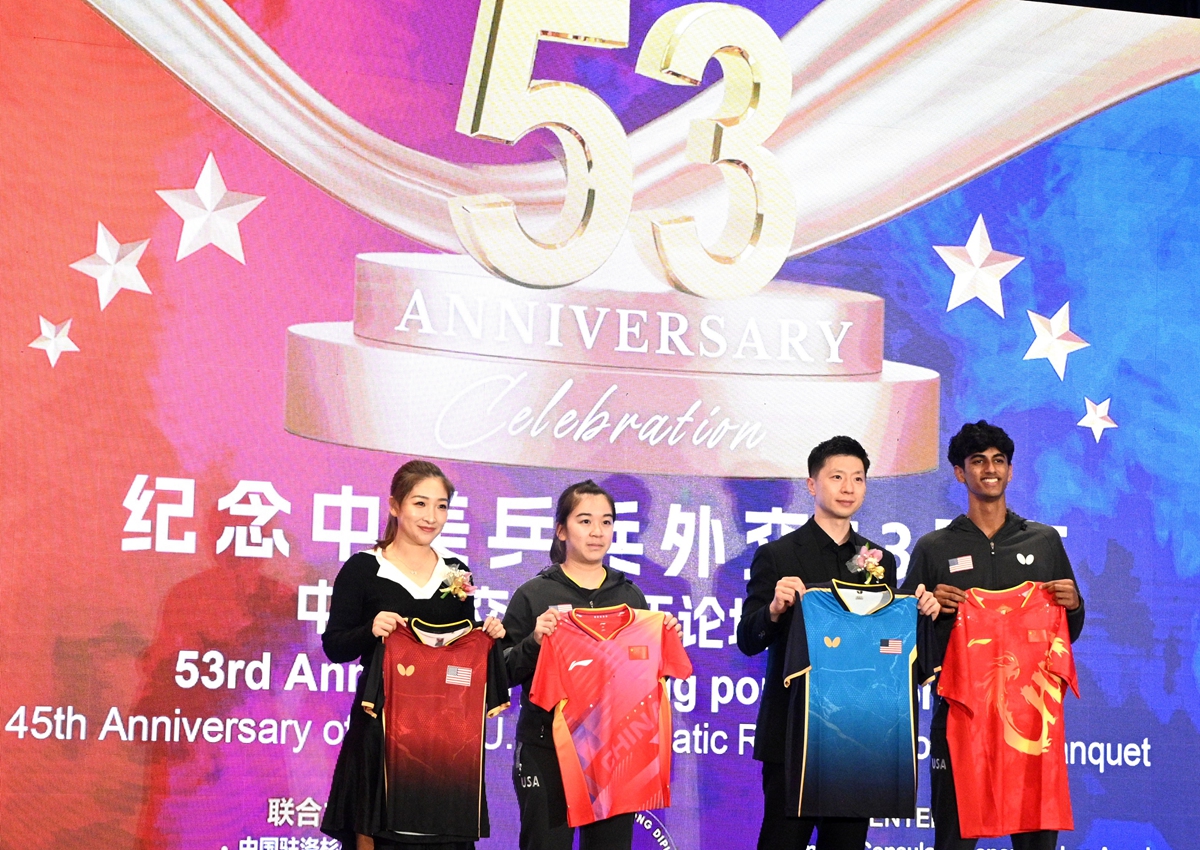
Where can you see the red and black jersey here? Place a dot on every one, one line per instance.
(433, 686)
(603, 673)
(1007, 669)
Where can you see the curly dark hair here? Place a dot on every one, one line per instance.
(976, 437)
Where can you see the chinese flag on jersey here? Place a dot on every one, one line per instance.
(603, 673)
(1007, 669)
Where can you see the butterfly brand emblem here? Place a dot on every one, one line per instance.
(833, 643)
(405, 671)
(1024, 559)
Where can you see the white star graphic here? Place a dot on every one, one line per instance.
(54, 340)
(210, 213)
(114, 266)
(1054, 339)
(1097, 417)
(977, 269)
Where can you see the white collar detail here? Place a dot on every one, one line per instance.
(391, 572)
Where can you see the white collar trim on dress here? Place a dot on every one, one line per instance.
(391, 572)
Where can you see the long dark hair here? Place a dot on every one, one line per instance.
(406, 478)
(568, 500)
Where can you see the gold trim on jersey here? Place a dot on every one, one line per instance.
(612, 608)
(447, 629)
(1026, 588)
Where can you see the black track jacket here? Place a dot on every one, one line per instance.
(1022, 550)
(548, 588)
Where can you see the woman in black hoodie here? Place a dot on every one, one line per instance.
(576, 578)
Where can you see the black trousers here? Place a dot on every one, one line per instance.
(944, 802)
(780, 832)
(543, 806)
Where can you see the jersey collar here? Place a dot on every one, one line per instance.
(577, 613)
(438, 634)
(885, 594)
(987, 599)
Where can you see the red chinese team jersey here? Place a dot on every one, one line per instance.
(434, 685)
(1006, 672)
(603, 674)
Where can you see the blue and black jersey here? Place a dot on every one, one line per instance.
(852, 673)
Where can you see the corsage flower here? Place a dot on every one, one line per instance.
(867, 561)
(457, 582)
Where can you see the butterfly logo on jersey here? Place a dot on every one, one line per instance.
(1024, 559)
(405, 671)
(833, 643)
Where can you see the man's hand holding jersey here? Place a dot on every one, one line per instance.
(788, 591)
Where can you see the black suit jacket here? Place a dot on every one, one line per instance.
(798, 553)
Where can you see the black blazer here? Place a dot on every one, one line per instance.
(799, 553)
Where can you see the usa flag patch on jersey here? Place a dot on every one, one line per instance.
(889, 646)
(458, 676)
(958, 565)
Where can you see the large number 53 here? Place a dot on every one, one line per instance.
(502, 102)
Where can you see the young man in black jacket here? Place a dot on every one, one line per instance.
(817, 552)
(992, 548)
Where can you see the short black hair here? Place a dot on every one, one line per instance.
(840, 445)
(976, 437)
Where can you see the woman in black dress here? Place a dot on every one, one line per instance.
(375, 593)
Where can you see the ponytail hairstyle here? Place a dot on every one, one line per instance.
(567, 502)
(406, 478)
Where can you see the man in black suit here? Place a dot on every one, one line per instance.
(817, 552)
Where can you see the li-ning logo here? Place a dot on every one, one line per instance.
(1024, 559)
(585, 662)
(833, 643)
(405, 671)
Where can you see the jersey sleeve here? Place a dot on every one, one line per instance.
(930, 652)
(955, 682)
(372, 698)
(1061, 659)
(548, 689)
(675, 661)
(497, 698)
(795, 660)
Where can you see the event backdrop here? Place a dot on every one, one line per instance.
(223, 330)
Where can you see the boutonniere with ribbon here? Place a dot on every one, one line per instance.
(867, 561)
(457, 582)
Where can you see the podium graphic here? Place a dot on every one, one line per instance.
(620, 371)
(444, 360)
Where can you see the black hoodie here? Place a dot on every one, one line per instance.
(549, 588)
(1022, 550)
